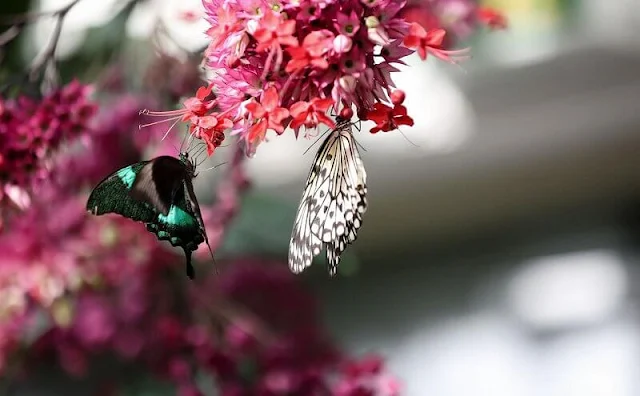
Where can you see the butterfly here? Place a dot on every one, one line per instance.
(160, 194)
(333, 202)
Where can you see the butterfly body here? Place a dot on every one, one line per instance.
(333, 202)
(158, 193)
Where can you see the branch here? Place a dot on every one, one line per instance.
(48, 52)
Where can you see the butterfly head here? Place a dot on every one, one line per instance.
(340, 122)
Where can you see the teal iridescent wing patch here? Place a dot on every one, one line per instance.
(160, 194)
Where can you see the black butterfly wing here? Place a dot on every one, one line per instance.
(112, 195)
(158, 181)
(181, 226)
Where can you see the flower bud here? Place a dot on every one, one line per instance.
(397, 97)
(342, 44)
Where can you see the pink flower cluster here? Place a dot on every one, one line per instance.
(279, 64)
(30, 130)
(258, 334)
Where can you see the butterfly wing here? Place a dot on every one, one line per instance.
(332, 204)
(304, 245)
(158, 181)
(354, 197)
(112, 195)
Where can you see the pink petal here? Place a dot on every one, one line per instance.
(255, 108)
(298, 108)
(287, 28)
(271, 21)
(436, 37)
(417, 30)
(277, 115)
(324, 119)
(270, 99)
(288, 40)
(321, 104)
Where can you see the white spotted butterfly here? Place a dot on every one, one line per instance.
(332, 204)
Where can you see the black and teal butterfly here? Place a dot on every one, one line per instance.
(160, 194)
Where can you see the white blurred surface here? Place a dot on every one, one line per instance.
(569, 290)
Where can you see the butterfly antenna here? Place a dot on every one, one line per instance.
(407, 139)
(317, 140)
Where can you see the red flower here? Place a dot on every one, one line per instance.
(198, 105)
(311, 114)
(273, 31)
(267, 114)
(431, 43)
(314, 47)
(493, 18)
(387, 118)
(211, 128)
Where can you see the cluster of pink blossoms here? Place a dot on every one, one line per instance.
(31, 130)
(278, 64)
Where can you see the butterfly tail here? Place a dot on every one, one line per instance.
(190, 271)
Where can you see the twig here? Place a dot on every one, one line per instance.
(49, 51)
(10, 34)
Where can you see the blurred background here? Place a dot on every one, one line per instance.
(500, 252)
(500, 257)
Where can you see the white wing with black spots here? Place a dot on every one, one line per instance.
(332, 204)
